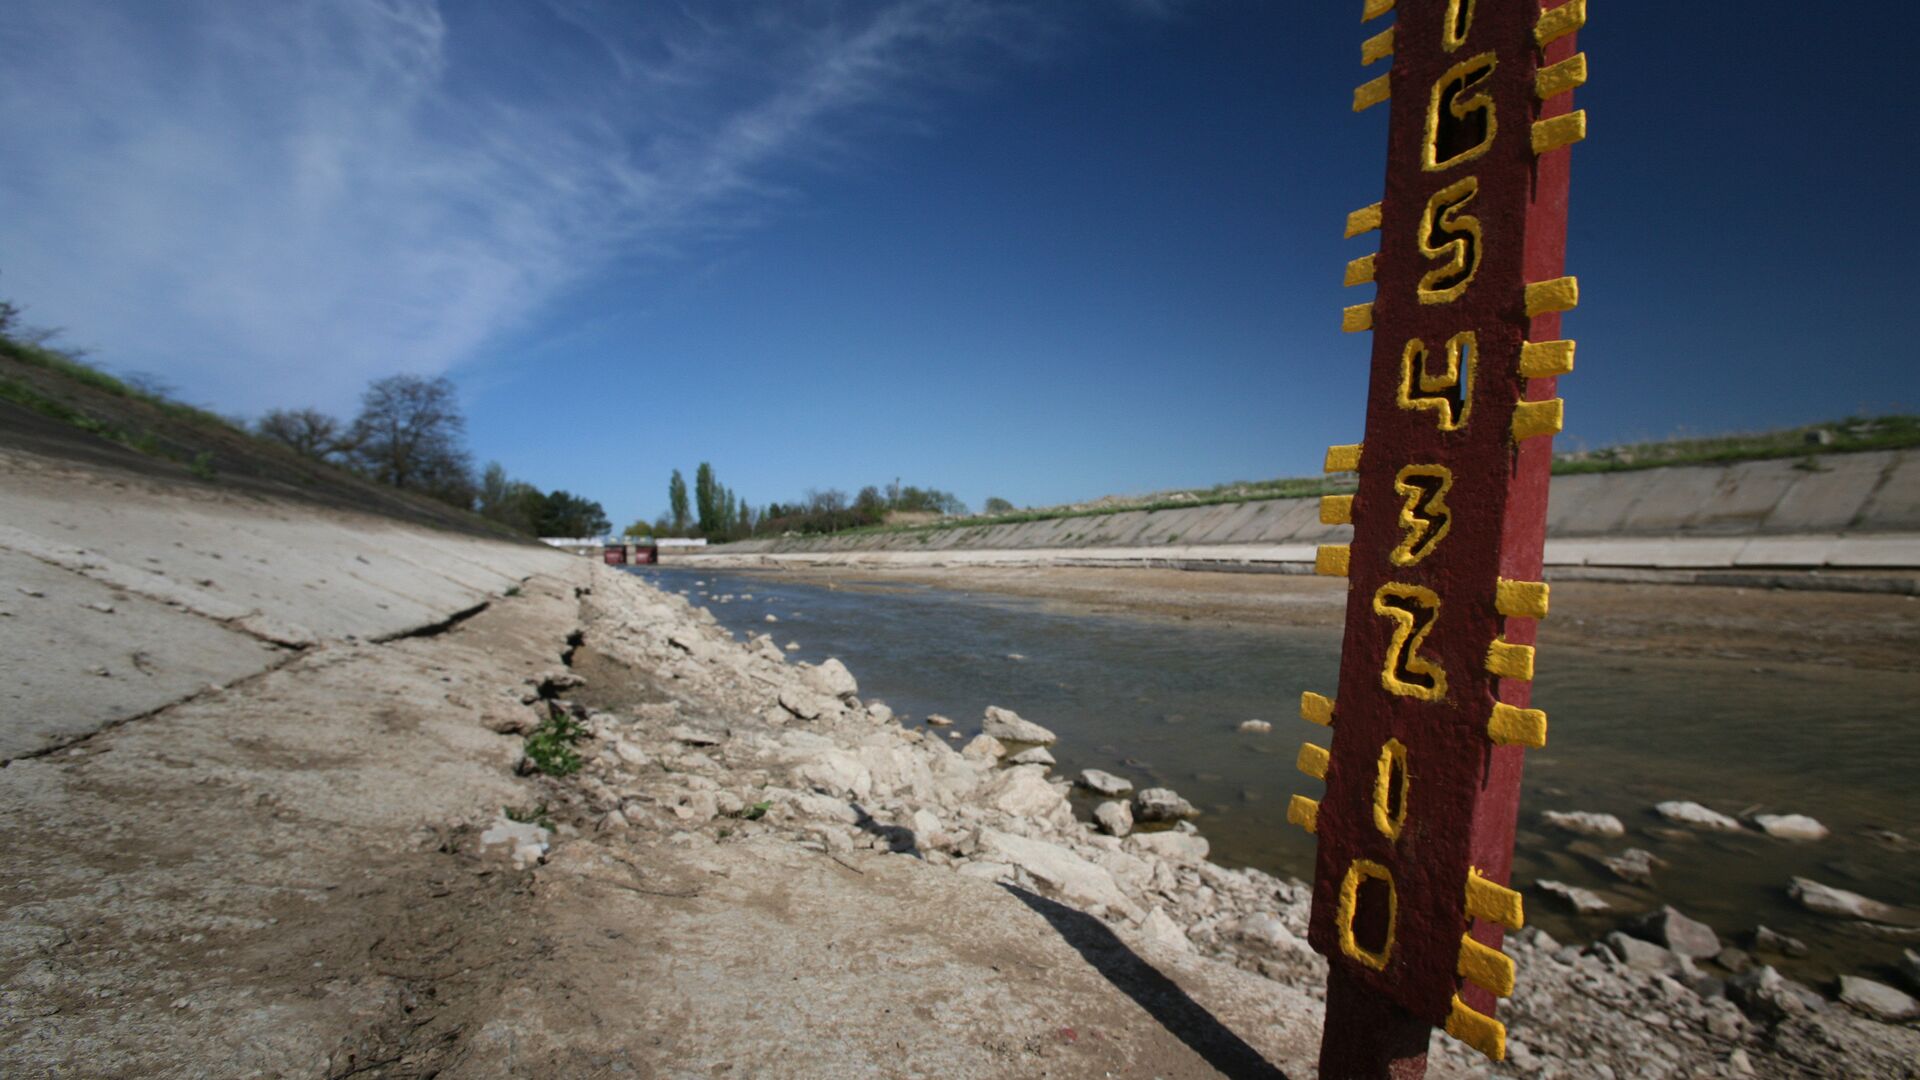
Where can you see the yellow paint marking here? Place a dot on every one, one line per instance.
(1560, 22)
(1546, 359)
(1510, 726)
(1377, 47)
(1372, 92)
(1521, 599)
(1312, 761)
(1336, 509)
(1389, 797)
(1345, 458)
(1331, 560)
(1357, 318)
(1489, 969)
(1483, 1033)
(1361, 870)
(1531, 418)
(1556, 79)
(1559, 294)
(1494, 903)
(1365, 219)
(1359, 271)
(1559, 131)
(1510, 661)
(1316, 708)
(1303, 812)
(1373, 9)
(1410, 630)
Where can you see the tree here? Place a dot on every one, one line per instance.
(677, 501)
(639, 530)
(567, 514)
(997, 505)
(513, 503)
(870, 502)
(409, 434)
(706, 500)
(308, 432)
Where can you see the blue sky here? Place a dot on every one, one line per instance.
(1045, 251)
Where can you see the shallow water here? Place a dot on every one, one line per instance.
(1158, 700)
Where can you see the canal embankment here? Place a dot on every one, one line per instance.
(1831, 521)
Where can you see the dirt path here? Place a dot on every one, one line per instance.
(1857, 630)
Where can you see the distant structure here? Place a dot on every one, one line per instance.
(1416, 825)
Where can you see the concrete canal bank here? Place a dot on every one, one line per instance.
(1857, 514)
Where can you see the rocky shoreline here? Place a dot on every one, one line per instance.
(688, 736)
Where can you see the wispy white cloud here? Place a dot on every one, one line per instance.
(272, 203)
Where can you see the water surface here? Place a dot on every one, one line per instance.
(1158, 700)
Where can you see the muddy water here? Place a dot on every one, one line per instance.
(1158, 701)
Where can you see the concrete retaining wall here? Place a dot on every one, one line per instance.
(1841, 510)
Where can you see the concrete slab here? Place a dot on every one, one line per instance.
(82, 655)
(1876, 551)
(1674, 504)
(1895, 504)
(1598, 505)
(1830, 498)
(1745, 495)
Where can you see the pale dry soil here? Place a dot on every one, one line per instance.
(1871, 631)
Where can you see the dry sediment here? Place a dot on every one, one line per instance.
(837, 777)
(755, 871)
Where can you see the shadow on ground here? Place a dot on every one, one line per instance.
(1163, 999)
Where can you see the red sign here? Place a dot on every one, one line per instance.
(1432, 712)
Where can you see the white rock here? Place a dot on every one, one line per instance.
(837, 773)
(1161, 932)
(1791, 826)
(1584, 901)
(1827, 900)
(1162, 804)
(692, 736)
(832, 679)
(1036, 755)
(1058, 870)
(1878, 1000)
(1692, 813)
(928, 832)
(1634, 864)
(1114, 817)
(800, 703)
(985, 870)
(1022, 792)
(525, 841)
(879, 712)
(793, 646)
(630, 753)
(1173, 846)
(983, 749)
(1104, 783)
(1257, 727)
(936, 720)
(1007, 725)
(1268, 930)
(1585, 823)
(771, 617)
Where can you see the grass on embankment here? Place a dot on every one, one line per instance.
(174, 440)
(1851, 435)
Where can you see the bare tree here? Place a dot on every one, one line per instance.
(409, 434)
(308, 432)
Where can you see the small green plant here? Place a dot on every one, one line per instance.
(536, 815)
(202, 465)
(757, 810)
(550, 746)
(512, 590)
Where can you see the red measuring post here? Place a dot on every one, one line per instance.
(1432, 716)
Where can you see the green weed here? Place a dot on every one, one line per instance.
(550, 746)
